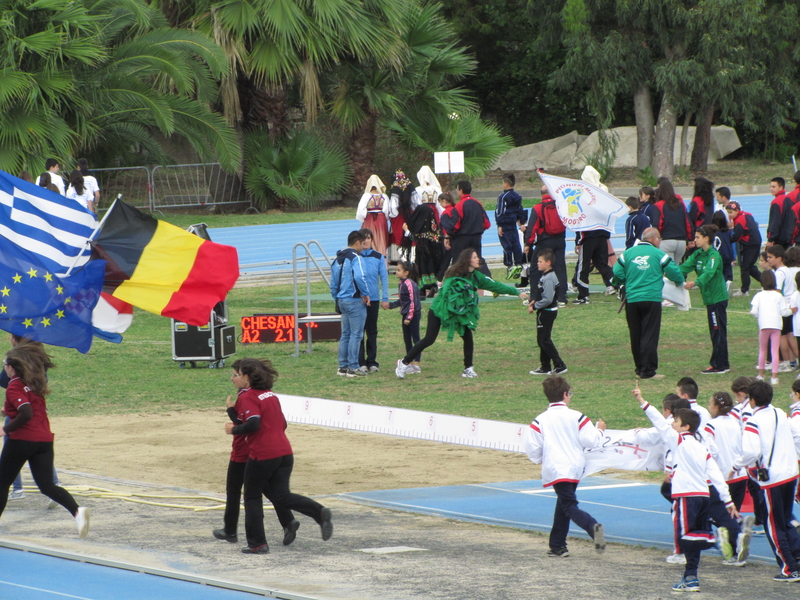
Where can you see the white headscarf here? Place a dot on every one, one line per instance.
(592, 176)
(429, 187)
(374, 181)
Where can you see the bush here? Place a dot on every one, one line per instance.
(296, 172)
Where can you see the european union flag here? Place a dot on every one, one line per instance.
(52, 309)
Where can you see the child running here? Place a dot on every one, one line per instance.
(456, 309)
(410, 308)
(694, 468)
(556, 439)
(30, 439)
(769, 307)
(723, 437)
(546, 307)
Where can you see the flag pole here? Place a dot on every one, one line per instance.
(95, 232)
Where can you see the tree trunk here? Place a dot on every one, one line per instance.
(685, 138)
(361, 152)
(702, 140)
(664, 143)
(643, 109)
(265, 108)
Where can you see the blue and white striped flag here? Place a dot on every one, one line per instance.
(53, 228)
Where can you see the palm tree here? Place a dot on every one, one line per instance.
(104, 74)
(365, 95)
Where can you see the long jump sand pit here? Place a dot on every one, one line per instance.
(188, 451)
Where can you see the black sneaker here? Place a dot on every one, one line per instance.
(581, 301)
(539, 371)
(558, 552)
(599, 539)
(264, 549)
(559, 370)
(787, 578)
(326, 525)
(342, 371)
(356, 373)
(713, 371)
(221, 534)
(290, 531)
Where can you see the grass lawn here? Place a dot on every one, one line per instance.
(140, 376)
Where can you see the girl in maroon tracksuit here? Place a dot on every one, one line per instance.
(29, 437)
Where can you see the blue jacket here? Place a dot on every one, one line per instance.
(353, 282)
(634, 227)
(509, 209)
(650, 211)
(374, 265)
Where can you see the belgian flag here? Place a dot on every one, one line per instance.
(161, 268)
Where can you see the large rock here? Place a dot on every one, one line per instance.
(571, 151)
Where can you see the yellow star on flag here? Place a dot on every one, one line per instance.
(59, 289)
(60, 314)
(32, 272)
(27, 323)
(5, 291)
(67, 300)
(17, 278)
(48, 277)
(45, 322)
(3, 308)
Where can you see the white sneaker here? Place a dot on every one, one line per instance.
(666, 303)
(363, 369)
(82, 521)
(610, 291)
(401, 369)
(16, 495)
(676, 559)
(51, 504)
(469, 372)
(773, 381)
(785, 367)
(738, 293)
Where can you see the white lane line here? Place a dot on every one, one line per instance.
(550, 490)
(35, 589)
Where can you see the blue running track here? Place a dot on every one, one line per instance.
(268, 243)
(632, 512)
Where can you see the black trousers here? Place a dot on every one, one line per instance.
(721, 517)
(748, 257)
(559, 248)
(233, 495)
(271, 478)
(567, 510)
(644, 324)
(459, 243)
(718, 328)
(512, 250)
(368, 349)
(594, 252)
(781, 534)
(411, 334)
(434, 326)
(39, 455)
(547, 349)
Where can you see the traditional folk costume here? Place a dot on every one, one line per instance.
(402, 200)
(373, 212)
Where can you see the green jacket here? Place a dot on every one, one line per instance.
(641, 268)
(456, 304)
(708, 266)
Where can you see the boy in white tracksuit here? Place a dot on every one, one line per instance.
(694, 470)
(768, 445)
(556, 439)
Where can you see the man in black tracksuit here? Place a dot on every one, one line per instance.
(594, 250)
(748, 237)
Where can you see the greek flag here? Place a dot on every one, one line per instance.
(47, 225)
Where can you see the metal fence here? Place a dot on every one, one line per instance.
(177, 186)
(132, 182)
(171, 186)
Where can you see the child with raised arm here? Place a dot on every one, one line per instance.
(556, 439)
(694, 467)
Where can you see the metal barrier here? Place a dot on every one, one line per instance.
(132, 182)
(308, 257)
(179, 186)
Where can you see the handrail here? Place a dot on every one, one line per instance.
(308, 257)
